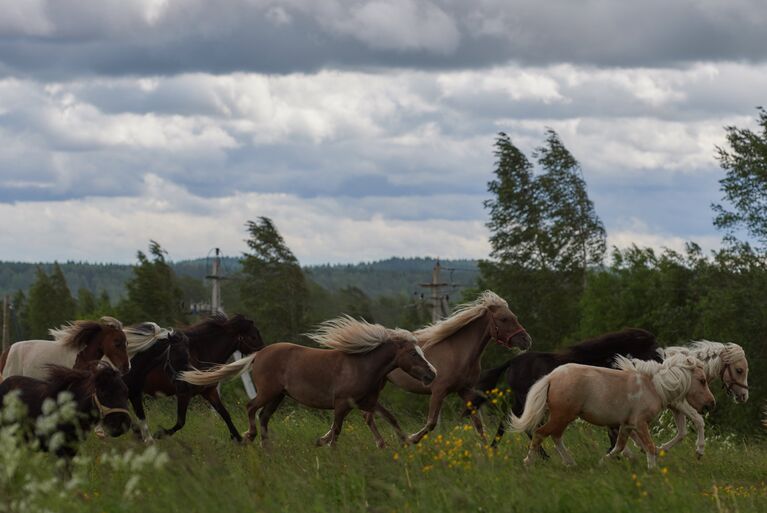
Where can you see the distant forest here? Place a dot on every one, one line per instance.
(390, 277)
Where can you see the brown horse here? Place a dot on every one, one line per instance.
(631, 398)
(455, 345)
(350, 374)
(74, 345)
(211, 342)
(99, 395)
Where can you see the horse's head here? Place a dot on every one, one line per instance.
(735, 372)
(699, 396)
(178, 353)
(114, 345)
(110, 399)
(505, 328)
(410, 357)
(246, 334)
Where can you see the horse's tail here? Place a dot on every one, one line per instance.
(535, 407)
(218, 373)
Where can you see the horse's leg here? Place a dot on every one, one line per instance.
(213, 397)
(623, 435)
(435, 405)
(554, 427)
(264, 416)
(392, 420)
(370, 420)
(136, 396)
(643, 432)
(341, 410)
(681, 427)
(476, 417)
(698, 423)
(567, 458)
(182, 405)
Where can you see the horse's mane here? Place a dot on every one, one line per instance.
(632, 341)
(78, 334)
(218, 321)
(141, 337)
(714, 355)
(672, 378)
(463, 315)
(63, 378)
(350, 335)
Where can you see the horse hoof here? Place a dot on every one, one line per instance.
(699, 455)
(149, 440)
(380, 444)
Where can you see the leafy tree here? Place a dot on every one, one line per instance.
(745, 183)
(153, 293)
(273, 287)
(86, 304)
(50, 303)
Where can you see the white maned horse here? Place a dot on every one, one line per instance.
(721, 361)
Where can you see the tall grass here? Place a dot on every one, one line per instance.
(448, 471)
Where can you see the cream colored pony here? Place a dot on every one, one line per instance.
(720, 361)
(630, 397)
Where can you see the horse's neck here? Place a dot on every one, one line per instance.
(211, 347)
(90, 353)
(379, 362)
(469, 341)
(712, 365)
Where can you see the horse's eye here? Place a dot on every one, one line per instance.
(702, 381)
(413, 353)
(739, 371)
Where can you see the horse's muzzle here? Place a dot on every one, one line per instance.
(522, 340)
(428, 378)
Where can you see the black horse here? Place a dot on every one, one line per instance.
(169, 355)
(211, 342)
(99, 394)
(524, 370)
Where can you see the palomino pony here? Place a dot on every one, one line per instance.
(99, 395)
(152, 347)
(631, 398)
(74, 346)
(524, 370)
(351, 373)
(726, 362)
(211, 342)
(454, 345)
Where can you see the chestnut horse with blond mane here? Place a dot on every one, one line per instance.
(350, 373)
(455, 345)
(74, 346)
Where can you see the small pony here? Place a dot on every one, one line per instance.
(99, 395)
(630, 397)
(350, 373)
(726, 362)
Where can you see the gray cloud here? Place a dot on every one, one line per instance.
(62, 39)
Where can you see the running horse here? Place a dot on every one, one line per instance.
(211, 342)
(631, 397)
(74, 346)
(350, 373)
(454, 346)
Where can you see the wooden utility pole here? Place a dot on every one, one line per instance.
(6, 322)
(436, 286)
(216, 307)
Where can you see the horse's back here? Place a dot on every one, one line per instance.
(30, 357)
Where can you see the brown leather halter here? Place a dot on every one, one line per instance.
(728, 386)
(106, 410)
(497, 337)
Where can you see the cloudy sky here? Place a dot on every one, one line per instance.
(363, 128)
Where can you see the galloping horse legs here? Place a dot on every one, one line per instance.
(680, 412)
(435, 405)
(136, 396)
(643, 432)
(213, 397)
(341, 410)
(264, 416)
(620, 444)
(182, 405)
(391, 419)
(370, 420)
(468, 395)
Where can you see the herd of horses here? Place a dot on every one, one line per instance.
(620, 380)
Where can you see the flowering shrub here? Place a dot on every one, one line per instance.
(35, 481)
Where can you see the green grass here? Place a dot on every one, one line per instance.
(207, 472)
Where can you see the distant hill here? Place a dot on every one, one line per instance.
(393, 276)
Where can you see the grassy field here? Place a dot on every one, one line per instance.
(449, 471)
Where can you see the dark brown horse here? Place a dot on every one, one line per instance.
(211, 342)
(350, 374)
(74, 345)
(153, 348)
(525, 370)
(98, 392)
(455, 346)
